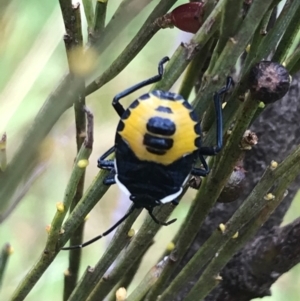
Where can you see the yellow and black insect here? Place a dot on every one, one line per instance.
(157, 143)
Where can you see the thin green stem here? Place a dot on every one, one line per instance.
(163, 278)
(74, 49)
(227, 60)
(258, 37)
(209, 192)
(269, 42)
(148, 281)
(51, 249)
(137, 246)
(55, 105)
(6, 251)
(194, 69)
(288, 39)
(231, 19)
(127, 278)
(3, 159)
(71, 277)
(147, 31)
(293, 62)
(125, 13)
(186, 52)
(100, 17)
(89, 13)
(249, 209)
(207, 280)
(92, 275)
(290, 10)
(91, 197)
(68, 14)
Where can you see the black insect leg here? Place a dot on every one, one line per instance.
(132, 208)
(116, 104)
(110, 179)
(175, 202)
(160, 222)
(106, 164)
(211, 151)
(201, 172)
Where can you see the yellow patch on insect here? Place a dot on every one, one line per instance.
(136, 128)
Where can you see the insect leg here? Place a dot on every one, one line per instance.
(211, 151)
(116, 104)
(132, 208)
(160, 222)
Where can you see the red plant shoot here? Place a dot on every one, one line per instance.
(188, 17)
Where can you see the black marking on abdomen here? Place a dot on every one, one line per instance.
(157, 143)
(155, 151)
(197, 129)
(164, 109)
(134, 104)
(197, 142)
(126, 114)
(194, 116)
(121, 126)
(161, 126)
(167, 95)
(144, 96)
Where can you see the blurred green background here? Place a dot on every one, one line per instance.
(32, 60)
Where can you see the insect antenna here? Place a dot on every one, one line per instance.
(103, 234)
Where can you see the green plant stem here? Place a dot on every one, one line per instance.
(92, 275)
(259, 110)
(227, 60)
(100, 16)
(55, 105)
(232, 151)
(69, 15)
(74, 41)
(288, 39)
(160, 284)
(89, 13)
(249, 209)
(207, 280)
(125, 13)
(258, 37)
(3, 159)
(74, 46)
(293, 62)
(147, 282)
(25, 157)
(194, 69)
(229, 25)
(147, 31)
(269, 42)
(186, 52)
(71, 276)
(259, 13)
(137, 246)
(51, 249)
(91, 197)
(234, 48)
(127, 278)
(209, 191)
(290, 9)
(6, 251)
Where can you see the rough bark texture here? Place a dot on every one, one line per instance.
(273, 250)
